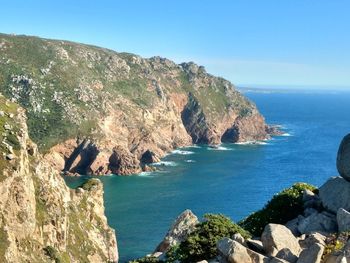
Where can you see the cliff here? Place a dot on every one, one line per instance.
(95, 111)
(41, 219)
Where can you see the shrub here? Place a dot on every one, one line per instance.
(283, 207)
(90, 184)
(201, 243)
(51, 252)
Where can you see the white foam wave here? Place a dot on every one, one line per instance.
(252, 143)
(165, 163)
(182, 152)
(145, 174)
(286, 134)
(190, 161)
(219, 148)
(193, 146)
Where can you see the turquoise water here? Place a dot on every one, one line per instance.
(234, 180)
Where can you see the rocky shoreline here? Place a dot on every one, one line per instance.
(314, 230)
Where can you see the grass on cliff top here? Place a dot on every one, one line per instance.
(283, 207)
(9, 136)
(27, 56)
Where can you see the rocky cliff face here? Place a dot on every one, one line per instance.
(95, 111)
(41, 219)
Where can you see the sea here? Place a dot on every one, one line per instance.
(233, 179)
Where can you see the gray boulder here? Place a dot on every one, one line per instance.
(287, 255)
(233, 252)
(276, 237)
(255, 245)
(318, 222)
(292, 225)
(312, 254)
(311, 239)
(184, 224)
(335, 194)
(343, 158)
(343, 220)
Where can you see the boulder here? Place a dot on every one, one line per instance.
(287, 255)
(234, 252)
(276, 237)
(312, 254)
(323, 222)
(311, 239)
(343, 158)
(343, 220)
(335, 194)
(308, 195)
(184, 224)
(292, 225)
(10, 156)
(255, 245)
(238, 237)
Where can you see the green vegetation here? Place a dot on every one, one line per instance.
(201, 243)
(52, 253)
(283, 207)
(335, 243)
(8, 136)
(58, 257)
(66, 88)
(90, 184)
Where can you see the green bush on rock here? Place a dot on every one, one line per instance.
(283, 207)
(201, 243)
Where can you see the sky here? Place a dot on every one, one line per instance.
(251, 43)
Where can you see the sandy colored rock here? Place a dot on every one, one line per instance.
(184, 224)
(276, 237)
(234, 252)
(38, 211)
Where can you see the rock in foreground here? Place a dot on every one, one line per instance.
(343, 158)
(184, 224)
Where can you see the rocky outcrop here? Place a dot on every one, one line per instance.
(41, 219)
(343, 220)
(184, 224)
(277, 237)
(110, 106)
(234, 252)
(333, 200)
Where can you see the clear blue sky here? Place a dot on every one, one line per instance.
(264, 42)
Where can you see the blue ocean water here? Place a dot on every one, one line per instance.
(235, 179)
